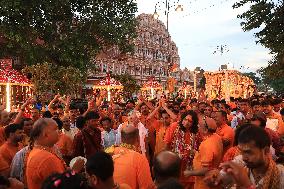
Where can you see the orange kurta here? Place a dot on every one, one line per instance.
(160, 135)
(3, 164)
(40, 165)
(169, 139)
(148, 124)
(226, 133)
(170, 133)
(8, 151)
(280, 129)
(65, 145)
(131, 168)
(2, 135)
(209, 156)
(231, 154)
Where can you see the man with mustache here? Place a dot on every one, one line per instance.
(254, 168)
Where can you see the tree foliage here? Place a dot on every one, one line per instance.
(51, 78)
(65, 32)
(254, 77)
(273, 74)
(129, 83)
(267, 17)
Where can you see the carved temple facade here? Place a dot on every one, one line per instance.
(154, 55)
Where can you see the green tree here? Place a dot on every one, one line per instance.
(254, 77)
(129, 83)
(65, 32)
(51, 78)
(273, 75)
(202, 82)
(266, 16)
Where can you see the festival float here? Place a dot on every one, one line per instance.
(14, 86)
(228, 83)
(151, 87)
(185, 89)
(108, 84)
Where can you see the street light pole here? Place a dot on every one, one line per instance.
(167, 10)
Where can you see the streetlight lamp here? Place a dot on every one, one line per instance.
(168, 7)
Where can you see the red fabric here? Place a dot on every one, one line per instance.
(87, 142)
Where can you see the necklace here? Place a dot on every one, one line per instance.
(50, 150)
(129, 146)
(121, 152)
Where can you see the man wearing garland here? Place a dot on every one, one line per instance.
(209, 155)
(130, 166)
(42, 160)
(254, 168)
(183, 138)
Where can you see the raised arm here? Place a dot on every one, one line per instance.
(55, 99)
(91, 106)
(22, 111)
(171, 114)
(153, 113)
(67, 107)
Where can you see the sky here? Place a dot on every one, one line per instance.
(201, 27)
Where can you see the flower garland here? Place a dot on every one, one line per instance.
(110, 150)
(185, 151)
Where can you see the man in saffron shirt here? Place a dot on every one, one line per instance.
(15, 134)
(42, 161)
(130, 167)
(209, 154)
(223, 130)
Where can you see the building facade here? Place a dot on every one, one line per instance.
(155, 55)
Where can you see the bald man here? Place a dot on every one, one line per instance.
(133, 119)
(42, 160)
(130, 167)
(166, 165)
(209, 154)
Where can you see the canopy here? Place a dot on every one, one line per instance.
(185, 88)
(108, 83)
(151, 85)
(9, 75)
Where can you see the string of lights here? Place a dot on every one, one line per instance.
(206, 8)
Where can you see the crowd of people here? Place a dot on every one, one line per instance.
(144, 144)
